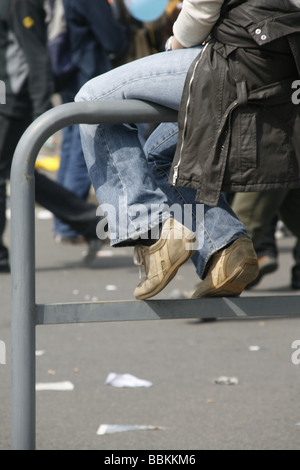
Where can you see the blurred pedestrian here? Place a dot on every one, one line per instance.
(25, 69)
(260, 212)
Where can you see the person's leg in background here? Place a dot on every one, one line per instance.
(267, 252)
(259, 211)
(77, 178)
(11, 130)
(295, 282)
(49, 194)
(72, 173)
(66, 206)
(267, 245)
(73, 176)
(4, 258)
(70, 209)
(290, 215)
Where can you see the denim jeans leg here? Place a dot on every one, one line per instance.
(215, 227)
(72, 174)
(113, 153)
(60, 228)
(126, 189)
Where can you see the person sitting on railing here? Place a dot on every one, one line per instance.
(229, 70)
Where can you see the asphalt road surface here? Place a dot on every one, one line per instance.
(184, 408)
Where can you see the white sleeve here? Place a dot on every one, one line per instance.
(196, 20)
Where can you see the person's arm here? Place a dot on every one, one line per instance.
(28, 21)
(195, 22)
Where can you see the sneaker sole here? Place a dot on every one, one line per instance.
(234, 285)
(171, 274)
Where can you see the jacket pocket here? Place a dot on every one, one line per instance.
(247, 140)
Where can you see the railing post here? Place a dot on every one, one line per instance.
(23, 318)
(23, 304)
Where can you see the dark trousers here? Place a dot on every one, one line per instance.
(259, 211)
(61, 202)
(267, 243)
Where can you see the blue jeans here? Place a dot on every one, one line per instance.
(72, 173)
(117, 164)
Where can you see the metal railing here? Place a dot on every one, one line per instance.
(26, 314)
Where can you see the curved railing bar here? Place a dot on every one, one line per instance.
(23, 306)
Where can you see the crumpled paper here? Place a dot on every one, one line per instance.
(55, 386)
(226, 380)
(126, 380)
(113, 428)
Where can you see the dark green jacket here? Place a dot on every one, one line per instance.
(239, 128)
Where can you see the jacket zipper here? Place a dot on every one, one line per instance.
(176, 167)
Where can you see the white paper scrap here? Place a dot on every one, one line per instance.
(39, 353)
(254, 348)
(105, 254)
(126, 380)
(111, 287)
(113, 428)
(44, 215)
(226, 380)
(55, 386)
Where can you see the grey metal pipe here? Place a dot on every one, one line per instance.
(23, 303)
